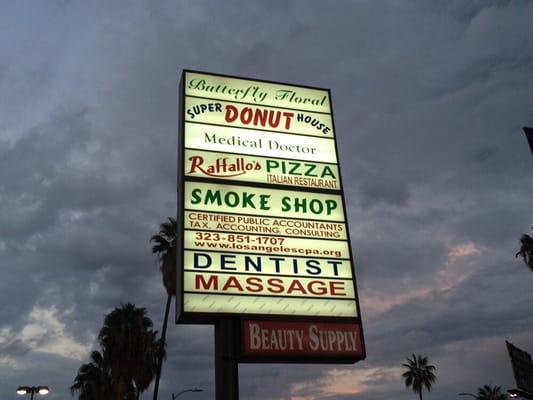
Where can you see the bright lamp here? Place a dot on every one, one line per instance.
(43, 390)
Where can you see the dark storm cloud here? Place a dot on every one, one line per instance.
(429, 99)
(377, 190)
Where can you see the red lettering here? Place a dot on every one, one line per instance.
(275, 283)
(231, 113)
(201, 282)
(320, 290)
(296, 285)
(232, 282)
(288, 116)
(254, 284)
(260, 117)
(196, 162)
(337, 285)
(274, 122)
(246, 115)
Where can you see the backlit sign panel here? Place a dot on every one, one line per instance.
(255, 142)
(272, 341)
(263, 230)
(240, 115)
(256, 169)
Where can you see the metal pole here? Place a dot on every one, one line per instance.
(226, 366)
(163, 338)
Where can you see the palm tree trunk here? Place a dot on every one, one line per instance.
(420, 394)
(163, 341)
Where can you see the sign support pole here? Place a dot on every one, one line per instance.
(226, 366)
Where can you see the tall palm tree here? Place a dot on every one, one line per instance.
(93, 381)
(153, 353)
(165, 249)
(419, 374)
(490, 393)
(131, 349)
(526, 250)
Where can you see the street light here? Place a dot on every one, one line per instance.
(22, 390)
(195, 390)
(514, 393)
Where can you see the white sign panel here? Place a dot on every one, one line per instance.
(263, 228)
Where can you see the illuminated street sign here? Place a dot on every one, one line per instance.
(272, 341)
(263, 230)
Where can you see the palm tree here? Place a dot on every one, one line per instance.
(526, 250)
(130, 349)
(419, 374)
(93, 381)
(165, 248)
(490, 393)
(153, 353)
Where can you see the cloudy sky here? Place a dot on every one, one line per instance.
(429, 101)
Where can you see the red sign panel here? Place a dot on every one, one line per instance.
(300, 340)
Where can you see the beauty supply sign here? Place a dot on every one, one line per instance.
(297, 341)
(261, 214)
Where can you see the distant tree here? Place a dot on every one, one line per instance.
(130, 349)
(526, 250)
(490, 393)
(419, 374)
(93, 381)
(165, 249)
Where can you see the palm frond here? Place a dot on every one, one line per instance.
(419, 373)
(526, 250)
